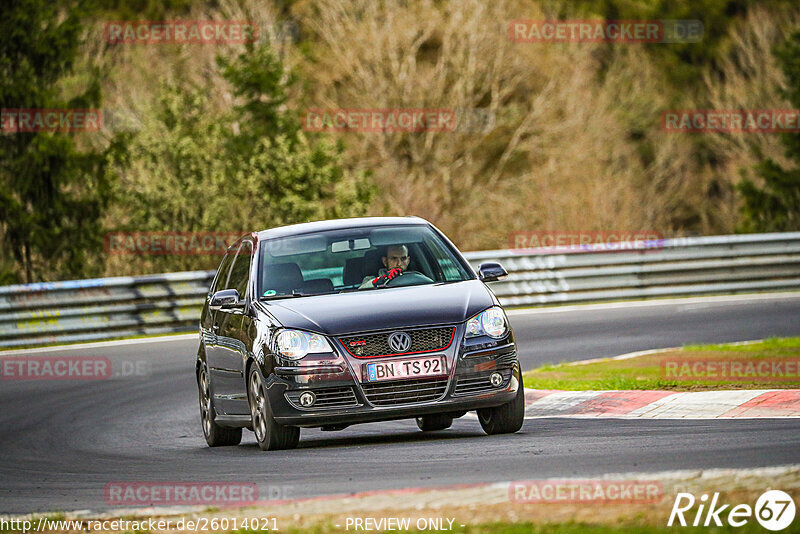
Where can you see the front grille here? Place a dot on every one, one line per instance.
(479, 383)
(404, 391)
(326, 398)
(422, 340)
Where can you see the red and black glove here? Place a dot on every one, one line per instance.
(394, 273)
(384, 278)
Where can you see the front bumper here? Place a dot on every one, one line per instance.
(343, 399)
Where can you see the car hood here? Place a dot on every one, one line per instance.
(381, 309)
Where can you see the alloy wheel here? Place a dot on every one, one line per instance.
(257, 406)
(205, 402)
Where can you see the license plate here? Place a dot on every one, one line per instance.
(418, 367)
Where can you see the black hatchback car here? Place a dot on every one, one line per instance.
(332, 323)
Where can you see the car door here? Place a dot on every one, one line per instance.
(209, 325)
(231, 349)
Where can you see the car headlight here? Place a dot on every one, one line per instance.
(491, 322)
(296, 344)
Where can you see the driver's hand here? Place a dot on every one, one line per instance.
(394, 273)
(384, 278)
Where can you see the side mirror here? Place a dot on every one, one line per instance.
(491, 272)
(224, 299)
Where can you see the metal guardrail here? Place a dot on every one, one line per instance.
(82, 310)
(669, 267)
(101, 308)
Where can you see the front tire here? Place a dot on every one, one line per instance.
(505, 419)
(216, 436)
(270, 435)
(429, 423)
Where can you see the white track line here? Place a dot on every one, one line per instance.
(677, 405)
(696, 405)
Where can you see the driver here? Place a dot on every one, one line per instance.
(395, 262)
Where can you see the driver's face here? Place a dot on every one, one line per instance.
(396, 257)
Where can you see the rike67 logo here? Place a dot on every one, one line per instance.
(774, 510)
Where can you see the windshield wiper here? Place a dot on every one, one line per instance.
(294, 294)
(368, 288)
(354, 289)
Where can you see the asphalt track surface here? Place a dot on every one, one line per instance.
(61, 442)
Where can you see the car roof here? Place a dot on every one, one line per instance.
(338, 224)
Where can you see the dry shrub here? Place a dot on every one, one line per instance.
(421, 54)
(750, 78)
(137, 76)
(136, 71)
(574, 148)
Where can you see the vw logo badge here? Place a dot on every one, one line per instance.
(399, 341)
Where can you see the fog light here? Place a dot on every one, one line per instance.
(496, 379)
(307, 399)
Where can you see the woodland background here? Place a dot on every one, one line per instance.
(206, 137)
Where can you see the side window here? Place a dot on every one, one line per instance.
(222, 273)
(449, 269)
(240, 272)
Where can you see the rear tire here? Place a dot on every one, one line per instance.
(216, 436)
(270, 435)
(505, 419)
(429, 423)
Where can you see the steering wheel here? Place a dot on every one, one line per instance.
(408, 278)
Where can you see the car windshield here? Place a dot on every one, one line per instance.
(348, 260)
